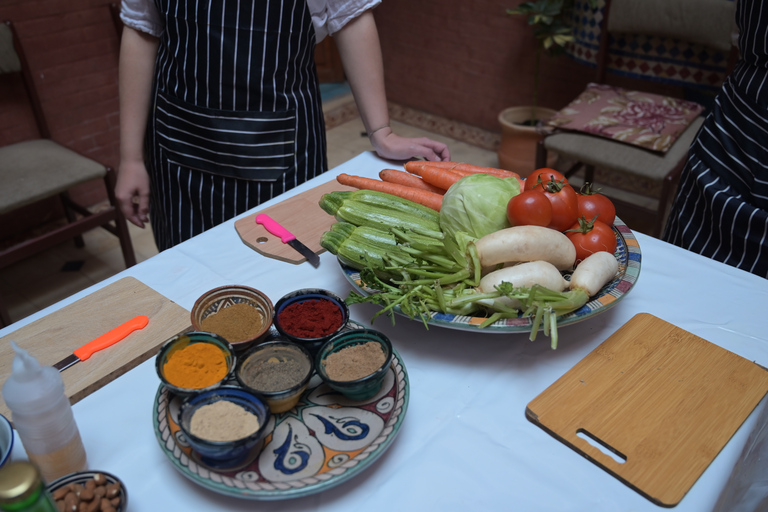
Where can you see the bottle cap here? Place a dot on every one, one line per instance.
(18, 481)
(31, 385)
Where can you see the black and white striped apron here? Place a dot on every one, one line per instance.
(237, 117)
(721, 206)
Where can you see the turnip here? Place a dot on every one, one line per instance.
(523, 275)
(526, 243)
(594, 272)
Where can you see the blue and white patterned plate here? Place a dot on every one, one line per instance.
(325, 440)
(627, 253)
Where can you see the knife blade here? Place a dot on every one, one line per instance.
(287, 237)
(105, 340)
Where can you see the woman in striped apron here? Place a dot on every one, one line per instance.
(721, 206)
(220, 107)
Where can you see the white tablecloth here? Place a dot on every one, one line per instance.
(465, 443)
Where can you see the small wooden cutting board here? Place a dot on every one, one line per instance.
(55, 336)
(657, 397)
(300, 214)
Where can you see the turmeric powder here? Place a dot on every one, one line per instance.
(196, 366)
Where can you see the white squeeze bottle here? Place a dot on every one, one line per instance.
(42, 416)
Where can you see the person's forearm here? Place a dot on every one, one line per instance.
(137, 61)
(360, 51)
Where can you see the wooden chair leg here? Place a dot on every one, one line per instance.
(121, 225)
(5, 317)
(541, 154)
(589, 174)
(71, 217)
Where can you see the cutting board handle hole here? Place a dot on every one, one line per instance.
(602, 446)
(262, 240)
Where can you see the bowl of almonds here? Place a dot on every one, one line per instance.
(91, 491)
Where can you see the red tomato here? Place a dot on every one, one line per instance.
(565, 205)
(529, 208)
(539, 177)
(593, 204)
(590, 237)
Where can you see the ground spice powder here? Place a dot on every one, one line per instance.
(223, 421)
(354, 362)
(276, 370)
(309, 319)
(196, 366)
(235, 323)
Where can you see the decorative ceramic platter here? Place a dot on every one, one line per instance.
(627, 253)
(323, 441)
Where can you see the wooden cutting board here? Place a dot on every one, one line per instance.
(300, 214)
(53, 337)
(660, 398)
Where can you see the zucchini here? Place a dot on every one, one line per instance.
(332, 201)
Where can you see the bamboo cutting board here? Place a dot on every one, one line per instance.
(663, 401)
(300, 214)
(57, 335)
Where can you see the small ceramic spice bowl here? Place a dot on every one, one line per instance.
(6, 440)
(194, 362)
(225, 426)
(355, 362)
(113, 489)
(240, 314)
(310, 317)
(278, 371)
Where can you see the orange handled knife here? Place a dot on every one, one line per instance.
(105, 340)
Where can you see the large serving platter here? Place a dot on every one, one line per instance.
(627, 253)
(323, 441)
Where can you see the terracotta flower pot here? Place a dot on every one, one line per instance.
(517, 150)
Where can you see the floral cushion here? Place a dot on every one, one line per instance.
(648, 120)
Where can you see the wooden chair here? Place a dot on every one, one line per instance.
(710, 24)
(35, 170)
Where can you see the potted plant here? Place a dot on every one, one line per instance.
(552, 24)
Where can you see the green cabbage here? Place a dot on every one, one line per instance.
(477, 205)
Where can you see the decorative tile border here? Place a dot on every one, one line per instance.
(341, 113)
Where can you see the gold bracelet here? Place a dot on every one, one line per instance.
(370, 134)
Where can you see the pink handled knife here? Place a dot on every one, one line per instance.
(287, 238)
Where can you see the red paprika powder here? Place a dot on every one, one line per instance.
(312, 318)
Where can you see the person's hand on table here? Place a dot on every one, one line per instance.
(388, 144)
(132, 192)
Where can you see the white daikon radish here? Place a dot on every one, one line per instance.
(524, 244)
(594, 272)
(525, 275)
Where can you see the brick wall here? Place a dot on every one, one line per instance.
(72, 49)
(467, 60)
(464, 60)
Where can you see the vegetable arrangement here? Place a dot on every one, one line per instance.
(461, 239)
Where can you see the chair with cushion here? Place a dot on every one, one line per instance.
(657, 159)
(35, 170)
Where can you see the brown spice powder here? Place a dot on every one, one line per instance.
(223, 421)
(235, 323)
(355, 362)
(282, 369)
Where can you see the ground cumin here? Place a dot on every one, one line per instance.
(223, 421)
(196, 366)
(235, 323)
(355, 362)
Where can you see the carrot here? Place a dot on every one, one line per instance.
(414, 165)
(501, 173)
(441, 178)
(423, 197)
(404, 178)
